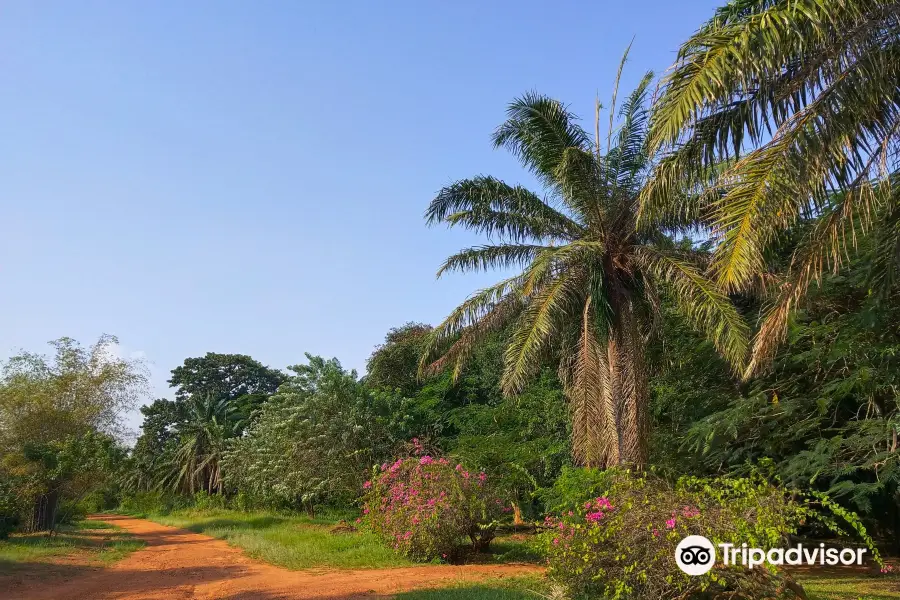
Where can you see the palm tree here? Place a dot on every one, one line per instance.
(209, 423)
(589, 289)
(796, 105)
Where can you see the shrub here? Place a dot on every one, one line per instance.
(10, 507)
(425, 508)
(312, 442)
(155, 502)
(621, 542)
(203, 500)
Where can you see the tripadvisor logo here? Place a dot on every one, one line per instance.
(696, 555)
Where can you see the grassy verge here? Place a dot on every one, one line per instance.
(824, 587)
(87, 543)
(291, 541)
(302, 542)
(838, 587)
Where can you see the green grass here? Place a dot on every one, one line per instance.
(291, 541)
(826, 587)
(88, 541)
(302, 542)
(509, 548)
(836, 587)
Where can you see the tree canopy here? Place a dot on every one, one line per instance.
(589, 292)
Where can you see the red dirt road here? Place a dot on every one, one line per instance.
(179, 565)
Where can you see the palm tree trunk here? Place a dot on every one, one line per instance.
(635, 397)
(611, 404)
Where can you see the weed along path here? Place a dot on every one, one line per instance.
(176, 564)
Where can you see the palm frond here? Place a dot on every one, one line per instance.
(823, 247)
(482, 258)
(491, 206)
(538, 323)
(701, 301)
(885, 270)
(538, 130)
(629, 157)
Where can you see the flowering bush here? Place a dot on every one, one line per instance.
(425, 507)
(621, 542)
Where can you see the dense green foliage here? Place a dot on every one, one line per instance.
(315, 440)
(217, 396)
(58, 418)
(619, 543)
(825, 417)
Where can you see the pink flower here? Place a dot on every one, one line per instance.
(670, 524)
(482, 477)
(426, 460)
(358, 520)
(656, 533)
(367, 485)
(556, 541)
(594, 516)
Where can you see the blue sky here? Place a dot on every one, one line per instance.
(250, 177)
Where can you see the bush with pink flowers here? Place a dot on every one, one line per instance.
(430, 508)
(620, 542)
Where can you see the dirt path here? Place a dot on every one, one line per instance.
(178, 564)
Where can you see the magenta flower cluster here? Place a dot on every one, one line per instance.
(424, 507)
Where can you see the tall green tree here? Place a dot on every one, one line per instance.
(236, 378)
(315, 441)
(58, 418)
(394, 364)
(202, 435)
(784, 110)
(149, 464)
(588, 293)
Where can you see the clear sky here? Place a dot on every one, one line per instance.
(250, 176)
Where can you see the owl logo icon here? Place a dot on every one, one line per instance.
(695, 555)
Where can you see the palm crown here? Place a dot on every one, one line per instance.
(589, 291)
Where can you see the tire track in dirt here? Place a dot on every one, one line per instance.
(181, 565)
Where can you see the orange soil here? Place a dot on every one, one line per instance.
(178, 564)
